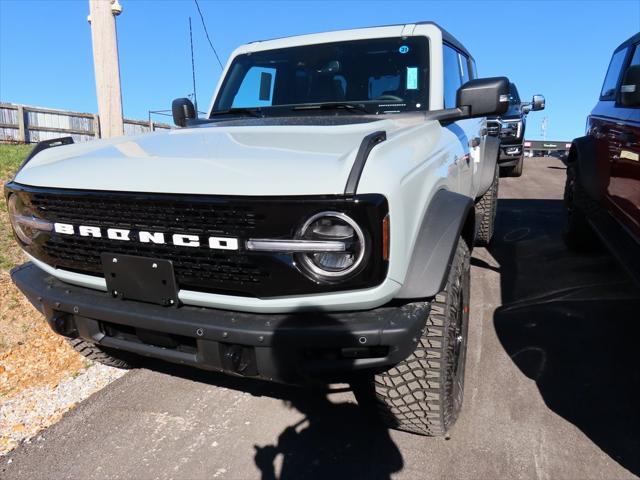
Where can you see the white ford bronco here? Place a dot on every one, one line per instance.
(315, 226)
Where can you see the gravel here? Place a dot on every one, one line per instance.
(22, 417)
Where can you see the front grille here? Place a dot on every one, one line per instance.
(493, 128)
(510, 130)
(139, 213)
(233, 272)
(194, 267)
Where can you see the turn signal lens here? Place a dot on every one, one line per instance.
(385, 237)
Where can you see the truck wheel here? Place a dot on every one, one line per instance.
(487, 206)
(578, 234)
(423, 393)
(106, 356)
(516, 170)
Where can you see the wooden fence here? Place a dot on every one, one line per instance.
(25, 124)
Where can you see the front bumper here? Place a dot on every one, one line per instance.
(510, 154)
(291, 347)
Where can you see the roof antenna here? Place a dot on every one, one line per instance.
(193, 70)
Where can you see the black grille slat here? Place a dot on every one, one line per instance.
(159, 215)
(189, 264)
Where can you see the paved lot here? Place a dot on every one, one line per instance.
(552, 387)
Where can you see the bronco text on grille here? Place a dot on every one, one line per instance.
(204, 236)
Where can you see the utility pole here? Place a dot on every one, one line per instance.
(102, 15)
(543, 127)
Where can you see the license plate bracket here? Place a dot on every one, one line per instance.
(140, 278)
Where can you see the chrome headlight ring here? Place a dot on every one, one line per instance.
(25, 225)
(337, 265)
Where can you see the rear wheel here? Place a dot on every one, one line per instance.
(423, 393)
(487, 207)
(106, 356)
(578, 234)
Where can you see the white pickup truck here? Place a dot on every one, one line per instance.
(316, 225)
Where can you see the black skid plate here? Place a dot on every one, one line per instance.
(140, 278)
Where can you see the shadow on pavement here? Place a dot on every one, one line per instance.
(570, 322)
(336, 440)
(332, 441)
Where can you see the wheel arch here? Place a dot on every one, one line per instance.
(449, 217)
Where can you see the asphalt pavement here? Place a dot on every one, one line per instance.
(551, 390)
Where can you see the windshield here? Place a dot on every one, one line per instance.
(514, 98)
(387, 75)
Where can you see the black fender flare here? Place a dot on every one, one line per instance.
(592, 174)
(446, 219)
(43, 145)
(488, 163)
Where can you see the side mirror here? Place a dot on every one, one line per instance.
(538, 103)
(182, 110)
(483, 97)
(630, 88)
(526, 107)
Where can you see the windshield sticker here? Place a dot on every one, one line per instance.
(412, 78)
(404, 49)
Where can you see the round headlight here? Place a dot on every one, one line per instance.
(24, 223)
(332, 265)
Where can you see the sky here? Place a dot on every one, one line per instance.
(560, 49)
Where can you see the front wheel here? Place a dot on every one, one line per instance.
(518, 167)
(514, 170)
(106, 356)
(423, 393)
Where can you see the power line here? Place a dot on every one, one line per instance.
(207, 34)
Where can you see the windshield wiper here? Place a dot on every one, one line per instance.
(254, 112)
(332, 106)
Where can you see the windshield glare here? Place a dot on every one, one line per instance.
(387, 75)
(514, 98)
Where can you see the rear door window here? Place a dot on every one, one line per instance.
(614, 72)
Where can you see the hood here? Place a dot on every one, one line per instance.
(220, 160)
(514, 112)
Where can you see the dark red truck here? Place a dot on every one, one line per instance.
(602, 193)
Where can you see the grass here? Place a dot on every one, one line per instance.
(11, 156)
(31, 355)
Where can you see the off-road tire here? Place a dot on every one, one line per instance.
(423, 393)
(514, 170)
(578, 234)
(106, 356)
(487, 207)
